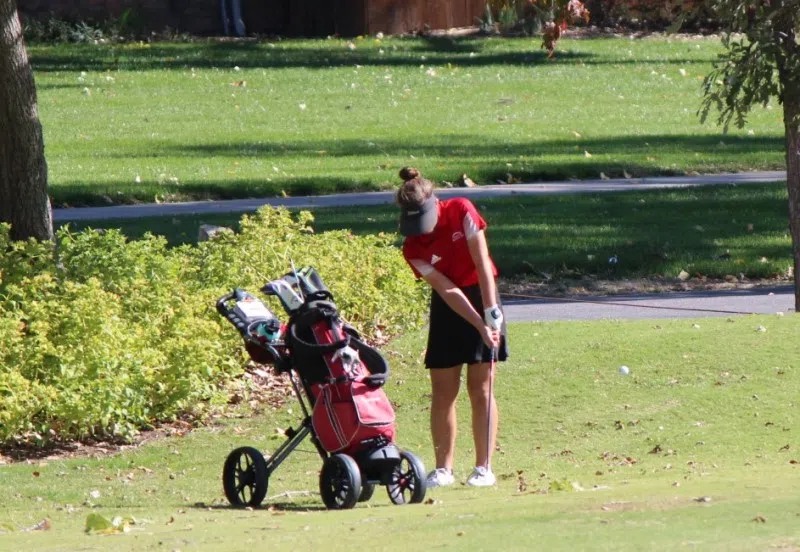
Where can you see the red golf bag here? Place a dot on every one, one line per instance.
(343, 377)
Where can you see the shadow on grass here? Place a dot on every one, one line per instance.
(268, 506)
(102, 194)
(61, 86)
(464, 52)
(468, 146)
(704, 231)
(553, 160)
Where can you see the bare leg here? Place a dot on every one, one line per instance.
(444, 391)
(478, 388)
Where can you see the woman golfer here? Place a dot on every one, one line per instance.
(445, 244)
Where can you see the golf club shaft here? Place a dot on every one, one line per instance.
(492, 361)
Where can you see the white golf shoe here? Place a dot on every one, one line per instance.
(481, 477)
(440, 477)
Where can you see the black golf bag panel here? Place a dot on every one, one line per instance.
(318, 331)
(349, 406)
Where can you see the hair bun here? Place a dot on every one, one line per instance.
(408, 173)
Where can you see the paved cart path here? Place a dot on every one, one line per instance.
(384, 198)
(660, 305)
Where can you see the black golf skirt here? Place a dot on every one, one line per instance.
(452, 341)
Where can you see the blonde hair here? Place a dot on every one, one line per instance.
(414, 190)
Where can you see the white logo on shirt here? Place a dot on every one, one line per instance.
(458, 236)
(435, 259)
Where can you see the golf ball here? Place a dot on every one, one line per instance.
(624, 370)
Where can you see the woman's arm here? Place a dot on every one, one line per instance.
(479, 250)
(456, 300)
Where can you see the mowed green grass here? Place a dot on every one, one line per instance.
(708, 232)
(696, 448)
(209, 119)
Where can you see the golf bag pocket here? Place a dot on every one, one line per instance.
(345, 414)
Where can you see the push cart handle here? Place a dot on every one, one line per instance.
(228, 314)
(222, 306)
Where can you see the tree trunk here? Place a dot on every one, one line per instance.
(788, 62)
(23, 170)
(791, 114)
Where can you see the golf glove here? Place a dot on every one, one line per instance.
(493, 317)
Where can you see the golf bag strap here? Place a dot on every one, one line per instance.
(374, 362)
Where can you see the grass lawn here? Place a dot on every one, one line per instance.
(696, 448)
(713, 232)
(173, 121)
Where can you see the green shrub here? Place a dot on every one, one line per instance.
(60, 31)
(102, 336)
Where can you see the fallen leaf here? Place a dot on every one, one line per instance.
(43, 525)
(562, 485)
(97, 524)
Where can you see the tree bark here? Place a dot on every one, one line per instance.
(788, 61)
(791, 114)
(23, 171)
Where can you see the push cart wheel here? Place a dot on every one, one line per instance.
(244, 477)
(408, 480)
(340, 482)
(367, 490)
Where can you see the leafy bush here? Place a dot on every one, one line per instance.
(131, 25)
(653, 14)
(550, 17)
(61, 31)
(102, 336)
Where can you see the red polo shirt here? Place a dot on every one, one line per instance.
(446, 249)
